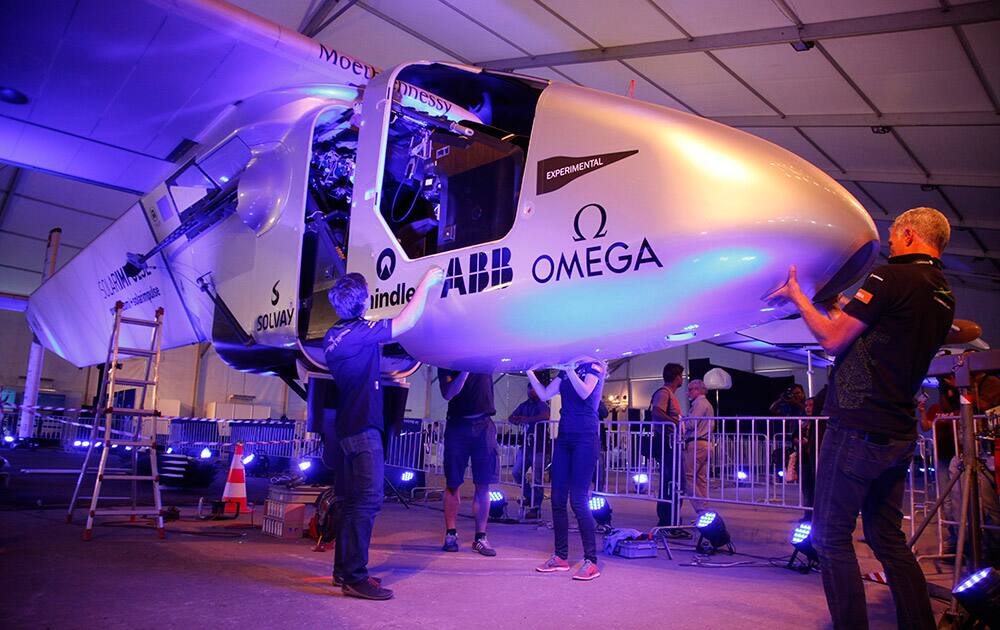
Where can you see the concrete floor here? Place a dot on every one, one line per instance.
(222, 575)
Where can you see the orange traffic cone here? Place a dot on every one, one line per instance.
(235, 492)
(878, 577)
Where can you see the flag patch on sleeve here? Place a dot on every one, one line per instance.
(863, 296)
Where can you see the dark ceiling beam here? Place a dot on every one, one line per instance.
(916, 119)
(891, 177)
(413, 33)
(62, 244)
(96, 215)
(11, 191)
(971, 252)
(870, 25)
(964, 224)
(970, 274)
(321, 17)
(498, 35)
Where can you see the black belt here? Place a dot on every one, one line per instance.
(478, 416)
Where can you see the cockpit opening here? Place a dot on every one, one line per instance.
(446, 184)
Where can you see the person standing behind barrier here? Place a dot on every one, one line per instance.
(352, 355)
(791, 403)
(574, 460)
(697, 444)
(469, 435)
(884, 340)
(665, 408)
(812, 436)
(531, 455)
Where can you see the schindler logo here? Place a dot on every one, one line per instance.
(556, 172)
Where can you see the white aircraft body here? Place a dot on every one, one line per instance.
(568, 221)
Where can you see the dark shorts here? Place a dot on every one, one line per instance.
(475, 440)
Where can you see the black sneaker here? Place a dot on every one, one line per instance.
(678, 534)
(450, 542)
(483, 547)
(339, 581)
(367, 589)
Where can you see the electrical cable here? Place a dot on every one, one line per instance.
(413, 204)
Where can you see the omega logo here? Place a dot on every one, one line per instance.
(601, 231)
(595, 260)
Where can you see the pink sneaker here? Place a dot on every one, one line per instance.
(554, 563)
(587, 571)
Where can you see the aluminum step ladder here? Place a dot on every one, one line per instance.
(136, 427)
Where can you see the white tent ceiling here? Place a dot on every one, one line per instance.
(927, 71)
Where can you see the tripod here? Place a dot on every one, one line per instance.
(398, 494)
(963, 366)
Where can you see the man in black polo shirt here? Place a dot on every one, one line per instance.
(884, 340)
(352, 355)
(469, 435)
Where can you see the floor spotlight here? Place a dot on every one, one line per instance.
(257, 464)
(640, 480)
(601, 510)
(405, 479)
(802, 542)
(980, 595)
(206, 453)
(712, 534)
(498, 504)
(305, 465)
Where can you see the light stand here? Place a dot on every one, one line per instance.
(963, 366)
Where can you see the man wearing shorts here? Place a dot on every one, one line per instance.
(469, 435)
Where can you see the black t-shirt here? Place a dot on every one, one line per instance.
(352, 355)
(908, 308)
(474, 399)
(579, 415)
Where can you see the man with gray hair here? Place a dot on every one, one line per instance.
(883, 340)
(697, 444)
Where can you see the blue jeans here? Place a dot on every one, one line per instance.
(573, 462)
(361, 474)
(859, 475)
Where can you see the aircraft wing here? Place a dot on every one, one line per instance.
(118, 91)
(72, 314)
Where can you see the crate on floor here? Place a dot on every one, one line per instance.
(289, 525)
(636, 549)
(288, 510)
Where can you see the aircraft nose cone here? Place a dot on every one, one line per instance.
(743, 192)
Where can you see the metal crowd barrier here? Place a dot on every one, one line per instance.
(71, 428)
(763, 462)
(757, 461)
(741, 460)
